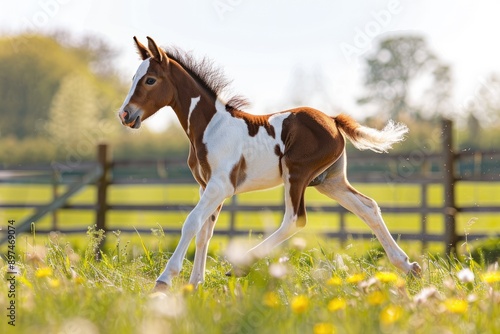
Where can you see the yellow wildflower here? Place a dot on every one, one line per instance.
(300, 304)
(356, 278)
(376, 298)
(491, 277)
(390, 314)
(43, 272)
(271, 299)
(188, 288)
(54, 282)
(323, 328)
(337, 304)
(334, 280)
(78, 280)
(386, 277)
(455, 305)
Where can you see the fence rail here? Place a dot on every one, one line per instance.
(418, 167)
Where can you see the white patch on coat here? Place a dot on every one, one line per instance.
(192, 105)
(227, 140)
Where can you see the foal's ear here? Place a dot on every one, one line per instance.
(156, 52)
(141, 49)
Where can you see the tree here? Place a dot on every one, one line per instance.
(485, 104)
(74, 112)
(32, 68)
(396, 73)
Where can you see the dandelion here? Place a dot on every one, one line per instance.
(78, 280)
(54, 283)
(376, 298)
(491, 277)
(455, 305)
(465, 275)
(323, 328)
(334, 280)
(300, 304)
(337, 304)
(43, 272)
(356, 278)
(188, 288)
(386, 277)
(271, 299)
(390, 314)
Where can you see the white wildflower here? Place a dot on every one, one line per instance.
(465, 275)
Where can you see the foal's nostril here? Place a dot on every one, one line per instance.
(125, 115)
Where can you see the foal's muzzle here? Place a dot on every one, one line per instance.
(132, 120)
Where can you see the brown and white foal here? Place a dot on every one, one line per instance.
(233, 152)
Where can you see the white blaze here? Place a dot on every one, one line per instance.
(141, 71)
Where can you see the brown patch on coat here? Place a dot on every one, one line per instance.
(312, 144)
(277, 151)
(254, 122)
(238, 173)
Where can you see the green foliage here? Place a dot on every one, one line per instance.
(32, 68)
(487, 252)
(393, 70)
(60, 96)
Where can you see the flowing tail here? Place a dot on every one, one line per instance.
(365, 138)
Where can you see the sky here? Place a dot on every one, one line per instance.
(263, 44)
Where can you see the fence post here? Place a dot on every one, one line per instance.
(55, 194)
(103, 159)
(450, 209)
(423, 216)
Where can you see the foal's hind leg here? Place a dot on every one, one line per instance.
(294, 220)
(338, 188)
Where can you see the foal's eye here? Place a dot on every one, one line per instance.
(150, 81)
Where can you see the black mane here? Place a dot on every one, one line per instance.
(207, 74)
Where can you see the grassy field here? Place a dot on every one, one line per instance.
(307, 287)
(310, 285)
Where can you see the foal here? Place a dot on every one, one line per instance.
(233, 152)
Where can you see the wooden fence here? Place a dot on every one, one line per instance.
(418, 167)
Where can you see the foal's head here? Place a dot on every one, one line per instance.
(152, 88)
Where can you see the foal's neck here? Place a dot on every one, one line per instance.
(193, 104)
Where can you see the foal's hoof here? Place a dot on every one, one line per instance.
(160, 287)
(238, 272)
(415, 270)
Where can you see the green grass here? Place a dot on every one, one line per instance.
(321, 288)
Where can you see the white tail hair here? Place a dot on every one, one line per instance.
(365, 138)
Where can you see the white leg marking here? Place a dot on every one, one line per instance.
(216, 191)
(192, 105)
(202, 240)
(339, 189)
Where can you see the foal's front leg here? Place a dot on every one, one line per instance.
(202, 240)
(213, 196)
